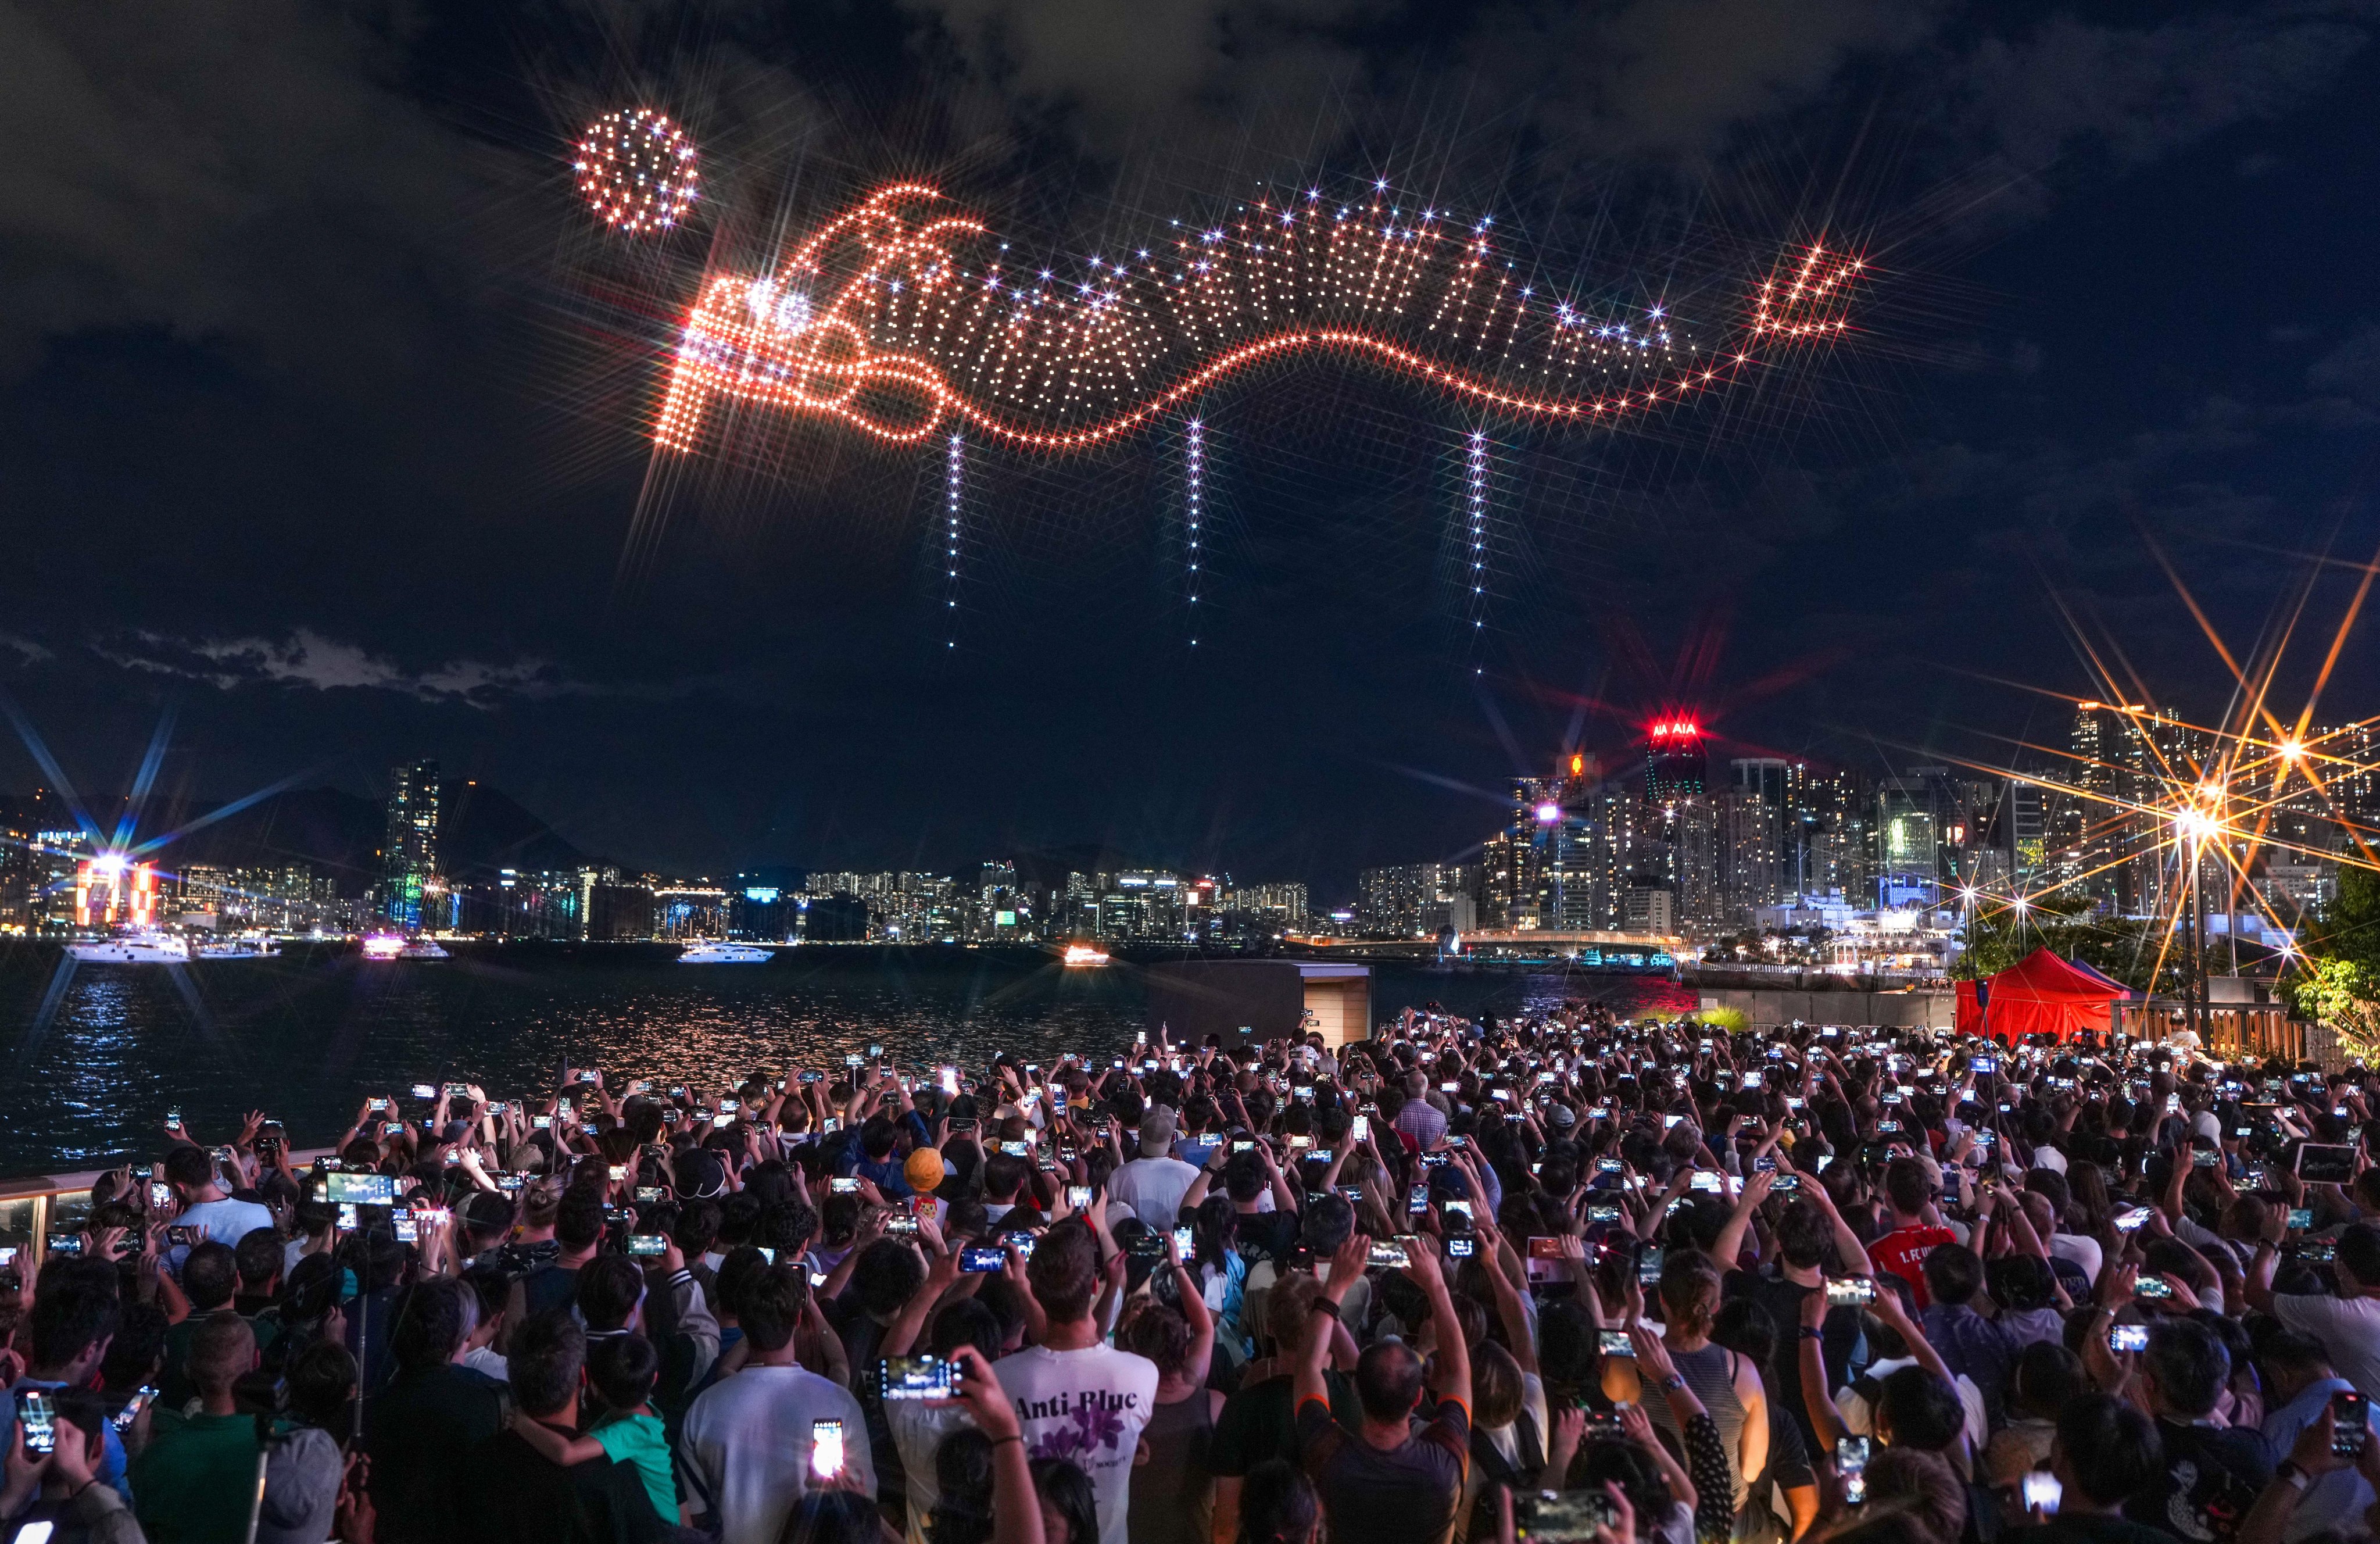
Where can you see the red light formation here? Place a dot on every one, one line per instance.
(894, 317)
(1678, 729)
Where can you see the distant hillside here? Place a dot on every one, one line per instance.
(481, 829)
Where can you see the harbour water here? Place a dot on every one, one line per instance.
(99, 1055)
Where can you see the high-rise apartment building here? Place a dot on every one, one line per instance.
(410, 887)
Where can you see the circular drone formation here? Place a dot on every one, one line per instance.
(637, 170)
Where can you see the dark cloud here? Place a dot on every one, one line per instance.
(306, 660)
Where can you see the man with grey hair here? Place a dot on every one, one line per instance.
(1420, 1119)
(1154, 1183)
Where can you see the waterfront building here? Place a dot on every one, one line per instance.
(411, 892)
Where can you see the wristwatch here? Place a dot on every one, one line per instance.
(1810, 1332)
(1673, 1383)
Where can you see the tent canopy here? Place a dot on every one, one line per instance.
(2041, 994)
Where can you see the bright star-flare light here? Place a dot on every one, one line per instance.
(637, 170)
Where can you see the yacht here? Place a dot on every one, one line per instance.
(131, 949)
(1082, 956)
(712, 952)
(402, 946)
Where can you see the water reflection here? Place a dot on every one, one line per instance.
(307, 1036)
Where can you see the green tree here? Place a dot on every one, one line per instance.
(2338, 980)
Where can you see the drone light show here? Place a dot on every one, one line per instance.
(637, 171)
(902, 316)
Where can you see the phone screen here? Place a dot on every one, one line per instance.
(40, 1419)
(826, 1448)
(915, 1378)
(1078, 1195)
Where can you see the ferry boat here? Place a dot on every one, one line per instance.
(1082, 956)
(402, 946)
(262, 947)
(147, 948)
(712, 952)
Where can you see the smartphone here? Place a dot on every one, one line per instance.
(1360, 1128)
(1561, 1516)
(408, 1231)
(359, 1189)
(1392, 1252)
(2300, 1217)
(2351, 1416)
(1649, 1267)
(66, 1244)
(2152, 1287)
(160, 1196)
(1850, 1292)
(174, 1119)
(140, 1400)
(1417, 1200)
(40, 1418)
(1460, 1245)
(2043, 1492)
(648, 1194)
(1851, 1456)
(2133, 1221)
(647, 1246)
(1615, 1342)
(2128, 1337)
(900, 1377)
(423, 1090)
(1185, 1240)
(1602, 1212)
(826, 1449)
(982, 1259)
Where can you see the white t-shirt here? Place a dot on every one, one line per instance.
(747, 1446)
(918, 1430)
(1087, 1407)
(1153, 1188)
(2047, 1157)
(2349, 1329)
(225, 1221)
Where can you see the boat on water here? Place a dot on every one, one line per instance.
(142, 948)
(260, 947)
(1082, 956)
(712, 952)
(402, 946)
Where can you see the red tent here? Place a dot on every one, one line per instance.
(2040, 995)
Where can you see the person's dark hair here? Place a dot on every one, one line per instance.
(771, 1305)
(1388, 1381)
(322, 1387)
(209, 1275)
(966, 1322)
(1689, 1289)
(257, 1258)
(133, 1356)
(1327, 1223)
(2046, 1375)
(2359, 1251)
(1919, 1410)
(191, 1168)
(1243, 1177)
(831, 1518)
(2190, 1365)
(1745, 1327)
(609, 1287)
(2111, 1451)
(698, 1227)
(578, 1221)
(2021, 1283)
(737, 1269)
(1278, 1504)
(887, 1276)
(2291, 1351)
(622, 1368)
(1954, 1273)
(1611, 1461)
(437, 1316)
(68, 1321)
(1002, 1173)
(1805, 1235)
(1064, 1272)
(1158, 1331)
(547, 1354)
(1906, 1187)
(1067, 1490)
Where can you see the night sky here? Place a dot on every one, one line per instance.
(323, 409)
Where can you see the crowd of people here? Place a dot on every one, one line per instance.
(1559, 1278)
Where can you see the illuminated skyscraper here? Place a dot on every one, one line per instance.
(410, 856)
